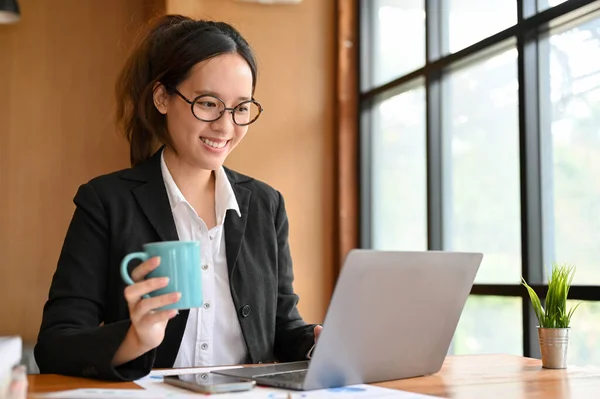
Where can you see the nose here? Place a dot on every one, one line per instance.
(225, 123)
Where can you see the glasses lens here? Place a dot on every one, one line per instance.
(208, 108)
(246, 113)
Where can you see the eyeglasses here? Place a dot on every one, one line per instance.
(208, 108)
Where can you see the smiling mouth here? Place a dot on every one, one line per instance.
(214, 144)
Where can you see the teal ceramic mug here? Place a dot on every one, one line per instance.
(180, 262)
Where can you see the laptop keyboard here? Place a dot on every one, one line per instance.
(287, 376)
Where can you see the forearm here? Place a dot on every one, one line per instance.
(293, 342)
(89, 352)
(130, 349)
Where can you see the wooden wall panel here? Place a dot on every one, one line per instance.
(347, 132)
(57, 72)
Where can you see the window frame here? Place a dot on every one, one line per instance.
(530, 27)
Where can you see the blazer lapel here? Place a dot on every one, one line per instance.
(152, 197)
(235, 226)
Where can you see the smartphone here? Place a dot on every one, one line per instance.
(210, 383)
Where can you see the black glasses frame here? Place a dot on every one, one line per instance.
(225, 108)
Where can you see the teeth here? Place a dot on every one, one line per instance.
(213, 144)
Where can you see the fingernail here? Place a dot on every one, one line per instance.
(157, 259)
(165, 280)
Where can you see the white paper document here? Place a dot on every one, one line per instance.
(354, 391)
(154, 387)
(95, 393)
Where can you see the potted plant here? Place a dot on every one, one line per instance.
(554, 320)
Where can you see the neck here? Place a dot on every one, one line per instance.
(192, 182)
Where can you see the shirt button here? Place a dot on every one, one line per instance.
(204, 267)
(206, 305)
(204, 376)
(210, 238)
(246, 310)
(204, 346)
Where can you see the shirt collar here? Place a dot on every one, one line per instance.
(224, 195)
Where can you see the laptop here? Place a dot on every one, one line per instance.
(392, 316)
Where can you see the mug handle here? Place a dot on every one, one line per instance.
(125, 262)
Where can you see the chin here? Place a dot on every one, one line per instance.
(208, 165)
(207, 161)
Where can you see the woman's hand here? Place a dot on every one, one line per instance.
(317, 332)
(147, 324)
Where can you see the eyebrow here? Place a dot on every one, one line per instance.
(212, 93)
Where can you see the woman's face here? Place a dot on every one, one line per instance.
(201, 144)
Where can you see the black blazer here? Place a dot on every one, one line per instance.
(86, 316)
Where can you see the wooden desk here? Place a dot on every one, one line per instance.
(461, 377)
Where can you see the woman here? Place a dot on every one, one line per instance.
(185, 101)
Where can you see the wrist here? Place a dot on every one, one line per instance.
(131, 348)
(134, 341)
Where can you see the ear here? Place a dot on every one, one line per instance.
(160, 97)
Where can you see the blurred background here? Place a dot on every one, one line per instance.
(389, 124)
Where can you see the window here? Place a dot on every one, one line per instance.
(390, 21)
(483, 318)
(398, 171)
(585, 334)
(481, 128)
(481, 132)
(470, 21)
(570, 109)
(545, 4)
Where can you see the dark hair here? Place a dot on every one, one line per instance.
(171, 47)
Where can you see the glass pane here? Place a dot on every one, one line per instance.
(570, 112)
(545, 4)
(481, 147)
(584, 334)
(489, 324)
(470, 21)
(398, 158)
(397, 45)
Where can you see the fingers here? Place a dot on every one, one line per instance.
(317, 331)
(149, 304)
(133, 293)
(144, 268)
(158, 317)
